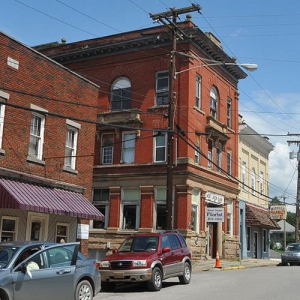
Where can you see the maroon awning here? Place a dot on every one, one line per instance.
(20, 195)
(259, 217)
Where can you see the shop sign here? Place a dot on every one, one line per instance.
(214, 198)
(215, 214)
(278, 212)
(83, 231)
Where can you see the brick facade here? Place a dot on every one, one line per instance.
(139, 56)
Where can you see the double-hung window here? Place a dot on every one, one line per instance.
(36, 141)
(230, 217)
(210, 154)
(101, 200)
(229, 163)
(128, 147)
(219, 158)
(160, 148)
(195, 213)
(214, 102)
(3, 98)
(62, 232)
(197, 150)
(261, 183)
(71, 144)
(107, 148)
(253, 179)
(121, 94)
(198, 91)
(130, 209)
(162, 88)
(9, 226)
(229, 113)
(161, 202)
(244, 175)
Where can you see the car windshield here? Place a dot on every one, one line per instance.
(6, 254)
(140, 244)
(293, 247)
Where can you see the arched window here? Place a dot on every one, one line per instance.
(121, 94)
(214, 98)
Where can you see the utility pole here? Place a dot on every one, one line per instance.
(169, 18)
(298, 188)
(284, 225)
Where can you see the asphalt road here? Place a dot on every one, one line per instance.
(267, 283)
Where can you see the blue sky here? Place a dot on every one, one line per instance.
(264, 32)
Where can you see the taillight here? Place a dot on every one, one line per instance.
(97, 265)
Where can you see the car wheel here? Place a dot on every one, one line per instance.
(186, 277)
(107, 286)
(84, 291)
(155, 283)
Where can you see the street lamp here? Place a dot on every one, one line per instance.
(247, 66)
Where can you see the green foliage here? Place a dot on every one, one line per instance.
(291, 218)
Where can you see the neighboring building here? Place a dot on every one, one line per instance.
(255, 222)
(131, 146)
(286, 232)
(46, 147)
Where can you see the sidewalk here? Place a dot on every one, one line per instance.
(209, 265)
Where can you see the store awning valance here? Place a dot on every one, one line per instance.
(25, 196)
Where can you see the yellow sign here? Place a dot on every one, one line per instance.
(278, 212)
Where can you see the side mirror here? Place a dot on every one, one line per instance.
(166, 249)
(23, 268)
(115, 251)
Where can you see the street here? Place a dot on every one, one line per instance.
(254, 283)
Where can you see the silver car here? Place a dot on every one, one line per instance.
(42, 270)
(291, 255)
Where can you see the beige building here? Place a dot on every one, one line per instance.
(255, 222)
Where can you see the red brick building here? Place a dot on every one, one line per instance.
(130, 165)
(47, 136)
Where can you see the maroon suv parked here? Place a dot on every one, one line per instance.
(151, 258)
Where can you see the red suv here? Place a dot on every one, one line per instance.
(149, 257)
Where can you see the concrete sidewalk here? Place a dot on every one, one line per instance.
(210, 264)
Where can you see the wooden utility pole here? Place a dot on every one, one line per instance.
(298, 188)
(169, 18)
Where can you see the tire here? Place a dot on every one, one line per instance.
(84, 291)
(155, 283)
(107, 286)
(187, 274)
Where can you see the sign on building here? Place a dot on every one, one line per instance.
(278, 212)
(214, 214)
(214, 198)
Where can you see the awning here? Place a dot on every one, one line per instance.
(259, 217)
(25, 196)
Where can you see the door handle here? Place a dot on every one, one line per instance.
(61, 272)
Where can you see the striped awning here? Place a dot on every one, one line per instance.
(25, 196)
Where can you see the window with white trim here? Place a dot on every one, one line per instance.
(197, 150)
(229, 112)
(62, 233)
(162, 88)
(130, 209)
(121, 94)
(214, 98)
(253, 178)
(261, 183)
(128, 147)
(107, 148)
(160, 147)
(195, 213)
(3, 99)
(160, 205)
(101, 200)
(210, 154)
(244, 175)
(198, 103)
(71, 147)
(229, 163)
(9, 226)
(230, 217)
(36, 141)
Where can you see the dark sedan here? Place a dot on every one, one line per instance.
(41, 270)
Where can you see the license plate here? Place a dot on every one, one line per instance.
(119, 275)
